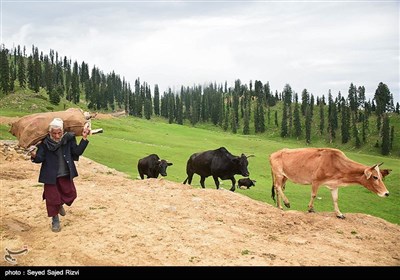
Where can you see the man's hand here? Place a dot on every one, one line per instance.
(86, 131)
(32, 151)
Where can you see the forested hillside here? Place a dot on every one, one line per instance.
(335, 119)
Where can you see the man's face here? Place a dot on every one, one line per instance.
(56, 134)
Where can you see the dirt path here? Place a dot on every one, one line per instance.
(119, 221)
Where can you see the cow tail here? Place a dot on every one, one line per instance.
(273, 187)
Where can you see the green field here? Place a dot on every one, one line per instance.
(126, 140)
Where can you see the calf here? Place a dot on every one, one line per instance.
(152, 166)
(247, 182)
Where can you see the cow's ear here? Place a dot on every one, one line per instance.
(385, 172)
(170, 163)
(368, 172)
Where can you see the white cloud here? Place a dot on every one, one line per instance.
(318, 46)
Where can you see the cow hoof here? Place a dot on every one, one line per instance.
(287, 205)
(341, 217)
(311, 210)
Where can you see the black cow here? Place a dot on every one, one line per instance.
(152, 166)
(247, 182)
(217, 163)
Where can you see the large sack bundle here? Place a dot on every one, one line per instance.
(33, 128)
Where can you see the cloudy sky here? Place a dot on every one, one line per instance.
(317, 45)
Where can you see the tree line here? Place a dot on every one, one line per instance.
(240, 108)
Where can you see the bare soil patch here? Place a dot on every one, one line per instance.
(119, 221)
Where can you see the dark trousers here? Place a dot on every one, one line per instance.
(55, 195)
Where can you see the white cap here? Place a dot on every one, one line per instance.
(56, 123)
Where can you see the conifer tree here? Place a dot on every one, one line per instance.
(156, 100)
(37, 71)
(297, 122)
(75, 92)
(4, 70)
(385, 149)
(304, 101)
(179, 110)
(147, 105)
(345, 110)
(382, 98)
(284, 127)
(308, 124)
(13, 76)
(21, 71)
(321, 118)
(246, 121)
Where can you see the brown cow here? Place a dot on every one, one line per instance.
(322, 166)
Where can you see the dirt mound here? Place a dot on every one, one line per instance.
(155, 222)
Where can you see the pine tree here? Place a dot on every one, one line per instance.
(37, 71)
(179, 110)
(365, 125)
(297, 122)
(286, 114)
(304, 101)
(4, 70)
(75, 92)
(54, 95)
(385, 135)
(13, 76)
(21, 71)
(276, 119)
(321, 118)
(156, 100)
(382, 98)
(308, 124)
(246, 121)
(345, 110)
(147, 105)
(284, 127)
(332, 118)
(171, 107)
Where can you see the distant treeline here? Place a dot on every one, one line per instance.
(241, 108)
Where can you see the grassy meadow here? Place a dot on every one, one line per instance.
(127, 139)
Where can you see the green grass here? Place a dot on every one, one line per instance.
(126, 140)
(27, 102)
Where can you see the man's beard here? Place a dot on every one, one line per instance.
(57, 141)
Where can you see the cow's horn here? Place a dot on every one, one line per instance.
(250, 156)
(380, 164)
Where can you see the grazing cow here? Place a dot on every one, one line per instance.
(152, 166)
(217, 163)
(247, 182)
(322, 166)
